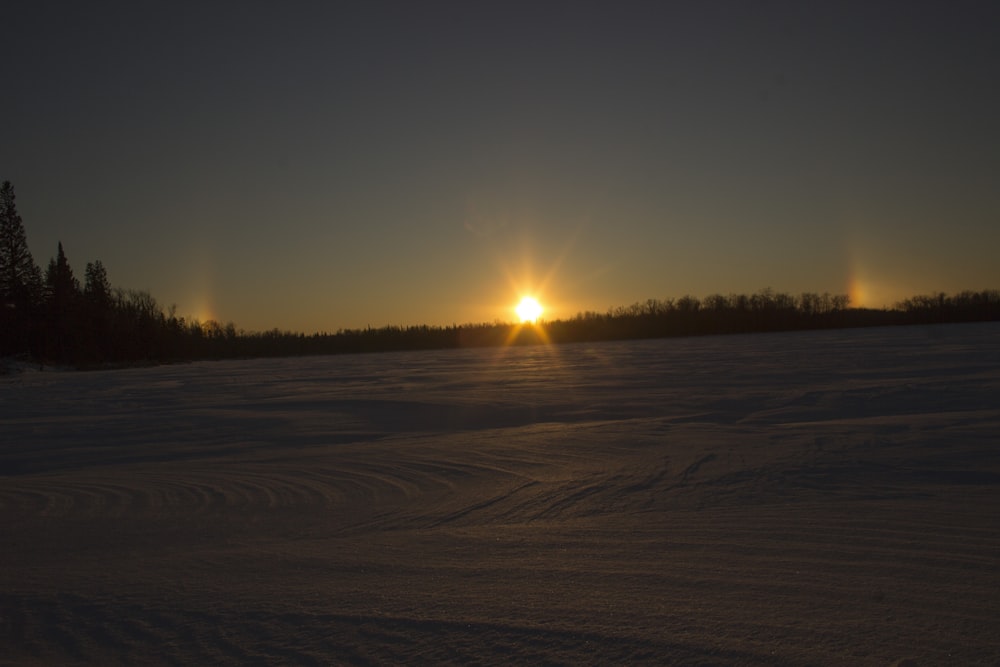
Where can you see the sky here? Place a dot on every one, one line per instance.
(313, 166)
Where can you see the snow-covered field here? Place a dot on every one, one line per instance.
(784, 499)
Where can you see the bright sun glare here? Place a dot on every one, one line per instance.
(529, 309)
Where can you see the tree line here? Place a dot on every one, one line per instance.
(51, 318)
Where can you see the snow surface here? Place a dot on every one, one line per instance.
(802, 498)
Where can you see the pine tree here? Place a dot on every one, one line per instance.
(62, 289)
(20, 279)
(97, 287)
(62, 300)
(98, 313)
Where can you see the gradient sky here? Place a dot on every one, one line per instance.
(319, 165)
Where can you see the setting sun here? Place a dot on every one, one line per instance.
(529, 309)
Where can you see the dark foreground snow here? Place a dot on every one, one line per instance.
(803, 498)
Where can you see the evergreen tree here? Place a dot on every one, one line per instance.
(97, 288)
(62, 289)
(62, 300)
(20, 279)
(98, 313)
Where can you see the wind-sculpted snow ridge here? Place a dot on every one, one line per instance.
(780, 499)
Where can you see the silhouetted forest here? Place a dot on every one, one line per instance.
(51, 318)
